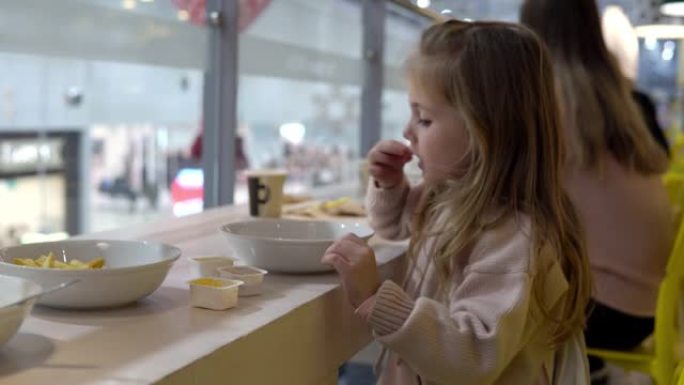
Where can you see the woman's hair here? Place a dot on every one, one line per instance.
(596, 104)
(499, 77)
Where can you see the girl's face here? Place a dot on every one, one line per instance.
(437, 134)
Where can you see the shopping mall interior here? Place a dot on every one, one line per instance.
(120, 85)
(107, 108)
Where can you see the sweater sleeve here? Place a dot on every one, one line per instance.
(475, 336)
(474, 340)
(390, 209)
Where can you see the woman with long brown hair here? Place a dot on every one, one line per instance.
(613, 170)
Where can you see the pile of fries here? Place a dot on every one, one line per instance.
(342, 207)
(49, 262)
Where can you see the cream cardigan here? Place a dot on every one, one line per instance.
(487, 329)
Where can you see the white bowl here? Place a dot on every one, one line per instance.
(13, 289)
(133, 270)
(289, 246)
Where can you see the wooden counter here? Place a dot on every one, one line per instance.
(297, 332)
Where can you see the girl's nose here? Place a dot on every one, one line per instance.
(408, 134)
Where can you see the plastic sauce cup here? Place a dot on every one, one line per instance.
(253, 278)
(214, 293)
(206, 266)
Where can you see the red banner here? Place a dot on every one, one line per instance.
(249, 10)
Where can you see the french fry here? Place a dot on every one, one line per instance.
(77, 264)
(61, 265)
(29, 262)
(329, 205)
(23, 262)
(49, 262)
(96, 263)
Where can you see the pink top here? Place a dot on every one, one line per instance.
(629, 226)
(486, 329)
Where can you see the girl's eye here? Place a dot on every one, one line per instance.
(424, 122)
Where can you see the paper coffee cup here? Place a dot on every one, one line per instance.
(265, 188)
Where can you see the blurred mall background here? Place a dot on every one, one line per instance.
(102, 101)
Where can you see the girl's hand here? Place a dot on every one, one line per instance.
(355, 263)
(386, 162)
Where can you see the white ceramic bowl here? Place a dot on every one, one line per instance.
(13, 289)
(133, 270)
(290, 246)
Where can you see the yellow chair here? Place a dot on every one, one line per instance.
(660, 360)
(674, 185)
(679, 378)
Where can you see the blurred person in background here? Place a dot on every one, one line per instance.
(613, 176)
(623, 43)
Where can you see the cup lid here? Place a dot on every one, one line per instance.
(267, 172)
(211, 258)
(216, 283)
(242, 270)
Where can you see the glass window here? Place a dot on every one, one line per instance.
(100, 102)
(299, 91)
(660, 75)
(507, 10)
(402, 33)
(403, 29)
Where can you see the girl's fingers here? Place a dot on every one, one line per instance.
(393, 147)
(341, 248)
(403, 157)
(351, 237)
(335, 260)
(354, 249)
(348, 247)
(389, 160)
(382, 172)
(334, 248)
(345, 252)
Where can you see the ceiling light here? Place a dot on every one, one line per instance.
(672, 7)
(660, 31)
(446, 12)
(293, 132)
(128, 4)
(183, 15)
(668, 50)
(423, 3)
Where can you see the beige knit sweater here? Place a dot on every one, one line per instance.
(487, 329)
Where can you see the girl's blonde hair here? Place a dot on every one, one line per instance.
(597, 106)
(499, 77)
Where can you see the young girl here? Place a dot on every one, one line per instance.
(498, 283)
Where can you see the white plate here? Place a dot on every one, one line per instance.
(291, 246)
(133, 270)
